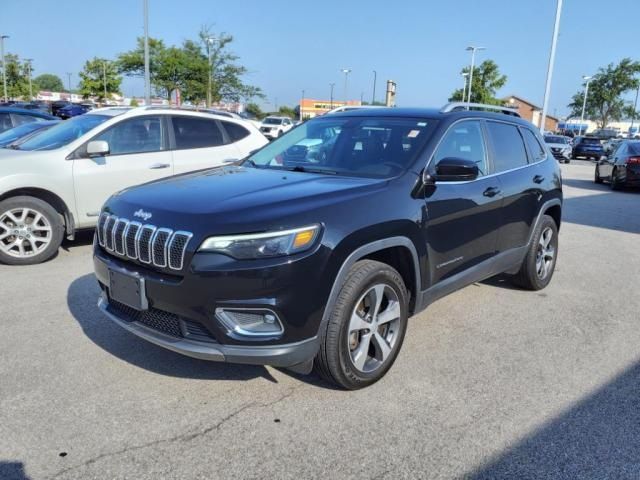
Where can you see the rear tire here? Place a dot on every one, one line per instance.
(597, 178)
(366, 327)
(31, 231)
(540, 261)
(614, 183)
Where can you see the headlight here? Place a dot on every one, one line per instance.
(263, 245)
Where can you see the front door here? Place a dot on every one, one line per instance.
(138, 153)
(463, 217)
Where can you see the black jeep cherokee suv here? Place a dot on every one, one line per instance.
(321, 245)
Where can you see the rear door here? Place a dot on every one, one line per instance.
(200, 142)
(606, 164)
(463, 217)
(521, 180)
(139, 153)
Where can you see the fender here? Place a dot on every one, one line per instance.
(361, 252)
(545, 206)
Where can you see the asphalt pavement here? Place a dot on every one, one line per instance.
(492, 381)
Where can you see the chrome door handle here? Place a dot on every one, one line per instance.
(157, 166)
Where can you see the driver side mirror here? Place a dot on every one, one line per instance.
(97, 148)
(452, 169)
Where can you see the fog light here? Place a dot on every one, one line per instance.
(251, 323)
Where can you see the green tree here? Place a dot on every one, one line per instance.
(287, 111)
(255, 110)
(133, 103)
(606, 89)
(96, 74)
(487, 80)
(49, 82)
(17, 77)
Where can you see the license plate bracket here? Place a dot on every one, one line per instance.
(128, 289)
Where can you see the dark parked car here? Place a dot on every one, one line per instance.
(17, 135)
(622, 167)
(72, 110)
(321, 259)
(57, 105)
(588, 147)
(39, 106)
(12, 117)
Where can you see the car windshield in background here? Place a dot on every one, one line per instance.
(590, 141)
(360, 146)
(64, 133)
(555, 139)
(272, 121)
(13, 134)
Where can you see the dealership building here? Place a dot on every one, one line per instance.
(312, 108)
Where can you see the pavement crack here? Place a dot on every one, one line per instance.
(183, 437)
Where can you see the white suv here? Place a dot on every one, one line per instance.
(273, 127)
(56, 182)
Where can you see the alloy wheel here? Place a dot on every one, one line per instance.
(545, 253)
(24, 232)
(374, 328)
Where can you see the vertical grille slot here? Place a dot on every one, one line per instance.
(177, 248)
(159, 246)
(100, 229)
(130, 236)
(118, 235)
(144, 243)
(108, 232)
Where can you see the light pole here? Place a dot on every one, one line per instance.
(104, 78)
(69, 83)
(4, 66)
(473, 51)
(552, 57)
(331, 101)
(28, 62)
(346, 72)
(301, 103)
(147, 75)
(373, 96)
(210, 41)
(586, 79)
(464, 86)
(635, 105)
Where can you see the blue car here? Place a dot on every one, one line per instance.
(72, 111)
(588, 147)
(19, 134)
(12, 117)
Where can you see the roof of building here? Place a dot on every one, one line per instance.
(528, 102)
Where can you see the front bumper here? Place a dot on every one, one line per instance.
(273, 133)
(286, 355)
(181, 309)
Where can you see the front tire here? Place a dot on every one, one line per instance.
(31, 231)
(540, 261)
(366, 327)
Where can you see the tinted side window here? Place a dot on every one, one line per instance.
(464, 140)
(19, 119)
(192, 132)
(235, 131)
(138, 135)
(508, 146)
(535, 149)
(5, 122)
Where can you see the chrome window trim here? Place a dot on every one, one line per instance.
(495, 174)
(135, 240)
(189, 236)
(153, 245)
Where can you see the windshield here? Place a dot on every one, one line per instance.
(361, 146)
(63, 133)
(555, 139)
(14, 134)
(272, 121)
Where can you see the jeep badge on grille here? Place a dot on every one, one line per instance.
(143, 215)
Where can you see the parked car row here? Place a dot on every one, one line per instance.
(54, 183)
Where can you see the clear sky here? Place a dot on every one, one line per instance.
(291, 45)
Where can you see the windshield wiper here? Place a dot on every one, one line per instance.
(300, 168)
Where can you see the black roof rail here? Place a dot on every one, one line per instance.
(459, 106)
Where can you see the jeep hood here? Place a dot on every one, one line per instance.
(238, 196)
